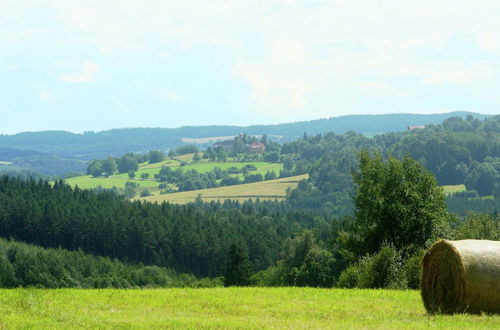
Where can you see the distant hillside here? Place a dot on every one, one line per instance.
(9, 154)
(91, 145)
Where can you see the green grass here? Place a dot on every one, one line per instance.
(454, 189)
(255, 308)
(262, 167)
(87, 182)
(264, 190)
(5, 163)
(119, 179)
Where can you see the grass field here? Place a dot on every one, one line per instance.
(119, 180)
(87, 182)
(453, 189)
(264, 190)
(256, 308)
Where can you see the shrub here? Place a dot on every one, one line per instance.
(253, 178)
(413, 270)
(382, 270)
(349, 277)
(145, 193)
(233, 170)
(249, 167)
(230, 181)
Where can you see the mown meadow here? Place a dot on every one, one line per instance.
(255, 308)
(185, 162)
(264, 190)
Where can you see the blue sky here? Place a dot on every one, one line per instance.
(92, 65)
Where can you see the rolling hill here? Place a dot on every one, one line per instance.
(92, 145)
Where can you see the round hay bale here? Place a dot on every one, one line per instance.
(461, 277)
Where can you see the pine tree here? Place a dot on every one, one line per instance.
(237, 267)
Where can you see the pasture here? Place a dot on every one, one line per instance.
(88, 182)
(254, 308)
(118, 180)
(264, 190)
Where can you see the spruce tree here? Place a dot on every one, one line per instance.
(237, 267)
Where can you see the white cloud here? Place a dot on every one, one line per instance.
(44, 96)
(312, 54)
(87, 73)
(281, 80)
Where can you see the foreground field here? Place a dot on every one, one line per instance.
(225, 308)
(264, 190)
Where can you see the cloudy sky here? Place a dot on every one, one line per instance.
(98, 64)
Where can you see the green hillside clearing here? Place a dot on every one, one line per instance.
(118, 180)
(254, 308)
(454, 189)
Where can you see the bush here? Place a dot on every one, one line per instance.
(349, 277)
(233, 170)
(413, 270)
(253, 178)
(145, 193)
(249, 167)
(382, 270)
(230, 181)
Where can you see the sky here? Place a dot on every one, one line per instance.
(85, 65)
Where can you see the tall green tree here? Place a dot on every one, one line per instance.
(237, 267)
(127, 163)
(155, 156)
(95, 168)
(109, 166)
(398, 203)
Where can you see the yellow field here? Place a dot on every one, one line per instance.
(453, 189)
(264, 190)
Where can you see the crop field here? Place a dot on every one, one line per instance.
(454, 189)
(254, 308)
(264, 190)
